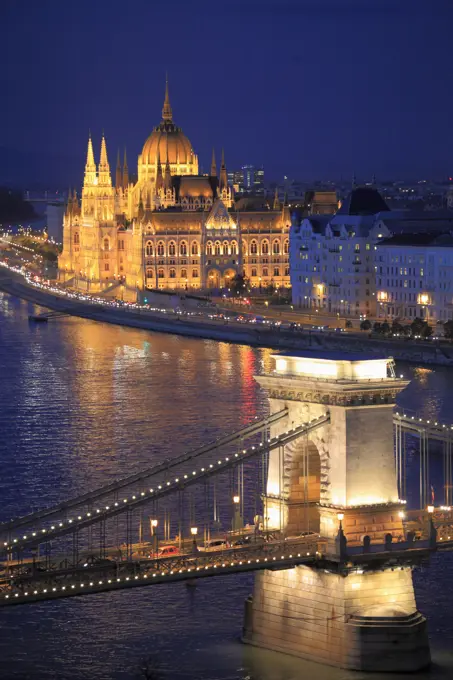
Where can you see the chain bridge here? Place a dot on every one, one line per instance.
(312, 498)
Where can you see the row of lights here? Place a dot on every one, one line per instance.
(160, 487)
(421, 420)
(108, 582)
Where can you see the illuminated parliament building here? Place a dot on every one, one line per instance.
(172, 229)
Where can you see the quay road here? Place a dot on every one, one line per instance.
(211, 327)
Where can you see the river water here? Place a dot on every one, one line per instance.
(82, 403)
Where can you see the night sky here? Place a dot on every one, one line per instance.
(309, 88)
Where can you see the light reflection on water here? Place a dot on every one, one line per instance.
(82, 404)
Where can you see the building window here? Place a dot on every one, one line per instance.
(172, 248)
(195, 273)
(160, 273)
(106, 267)
(265, 248)
(276, 248)
(76, 238)
(265, 271)
(286, 246)
(276, 271)
(106, 244)
(149, 248)
(217, 248)
(209, 248)
(183, 248)
(253, 271)
(225, 247)
(194, 248)
(286, 271)
(234, 248)
(121, 245)
(253, 248)
(160, 249)
(149, 273)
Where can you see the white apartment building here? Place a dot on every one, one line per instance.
(332, 266)
(414, 276)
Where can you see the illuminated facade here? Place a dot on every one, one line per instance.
(414, 277)
(172, 229)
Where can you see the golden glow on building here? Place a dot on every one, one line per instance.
(423, 299)
(172, 229)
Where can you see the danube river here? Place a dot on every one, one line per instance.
(82, 403)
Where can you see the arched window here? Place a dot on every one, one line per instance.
(76, 238)
(265, 248)
(149, 248)
(225, 247)
(172, 248)
(194, 248)
(195, 273)
(160, 273)
(265, 271)
(106, 244)
(172, 273)
(253, 271)
(276, 271)
(286, 271)
(149, 273)
(183, 248)
(253, 248)
(160, 249)
(209, 248)
(184, 273)
(234, 248)
(276, 248)
(244, 248)
(217, 247)
(286, 246)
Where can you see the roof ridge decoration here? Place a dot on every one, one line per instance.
(219, 217)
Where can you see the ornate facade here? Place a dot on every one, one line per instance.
(172, 229)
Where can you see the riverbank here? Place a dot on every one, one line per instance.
(260, 335)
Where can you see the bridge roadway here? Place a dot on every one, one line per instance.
(165, 466)
(67, 526)
(276, 555)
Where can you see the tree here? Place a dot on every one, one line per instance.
(448, 329)
(397, 328)
(238, 284)
(377, 327)
(365, 325)
(421, 327)
(348, 324)
(385, 327)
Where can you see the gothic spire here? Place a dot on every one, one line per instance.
(223, 173)
(166, 110)
(90, 154)
(119, 178)
(103, 162)
(213, 165)
(125, 171)
(159, 178)
(276, 200)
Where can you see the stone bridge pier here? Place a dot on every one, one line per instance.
(338, 479)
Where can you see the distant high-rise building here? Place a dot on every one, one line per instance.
(248, 179)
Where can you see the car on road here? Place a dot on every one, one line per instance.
(215, 544)
(165, 551)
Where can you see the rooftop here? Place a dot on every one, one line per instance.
(419, 239)
(363, 201)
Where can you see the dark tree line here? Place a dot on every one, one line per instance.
(13, 208)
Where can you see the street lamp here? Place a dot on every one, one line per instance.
(194, 532)
(237, 519)
(430, 509)
(153, 524)
(340, 517)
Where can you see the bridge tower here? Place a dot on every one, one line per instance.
(338, 482)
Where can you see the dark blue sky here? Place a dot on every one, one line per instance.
(309, 88)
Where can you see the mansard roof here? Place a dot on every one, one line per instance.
(432, 238)
(363, 201)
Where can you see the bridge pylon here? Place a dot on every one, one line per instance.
(339, 485)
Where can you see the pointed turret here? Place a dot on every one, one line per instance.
(125, 172)
(141, 210)
(104, 168)
(277, 205)
(223, 173)
(213, 165)
(119, 177)
(75, 204)
(69, 203)
(159, 177)
(166, 110)
(90, 165)
(167, 176)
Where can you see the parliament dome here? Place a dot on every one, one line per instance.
(167, 140)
